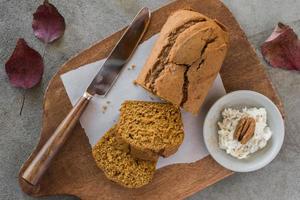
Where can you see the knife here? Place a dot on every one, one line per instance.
(100, 85)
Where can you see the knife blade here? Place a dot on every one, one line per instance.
(100, 85)
(120, 54)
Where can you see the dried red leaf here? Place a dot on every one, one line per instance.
(48, 24)
(25, 66)
(282, 48)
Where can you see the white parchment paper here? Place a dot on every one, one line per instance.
(96, 120)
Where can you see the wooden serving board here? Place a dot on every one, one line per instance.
(73, 171)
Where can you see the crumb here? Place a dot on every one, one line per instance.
(104, 108)
(108, 102)
(151, 98)
(131, 67)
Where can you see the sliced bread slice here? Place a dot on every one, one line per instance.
(118, 165)
(150, 128)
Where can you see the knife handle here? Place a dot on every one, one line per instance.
(41, 162)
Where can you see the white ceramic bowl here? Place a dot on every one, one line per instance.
(239, 99)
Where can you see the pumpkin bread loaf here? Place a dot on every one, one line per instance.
(118, 165)
(150, 128)
(185, 59)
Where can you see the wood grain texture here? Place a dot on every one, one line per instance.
(73, 170)
(41, 162)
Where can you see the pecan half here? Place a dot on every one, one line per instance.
(244, 130)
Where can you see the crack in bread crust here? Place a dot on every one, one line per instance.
(185, 85)
(186, 80)
(161, 61)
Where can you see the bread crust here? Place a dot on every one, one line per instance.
(185, 59)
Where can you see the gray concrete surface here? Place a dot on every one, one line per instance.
(89, 21)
